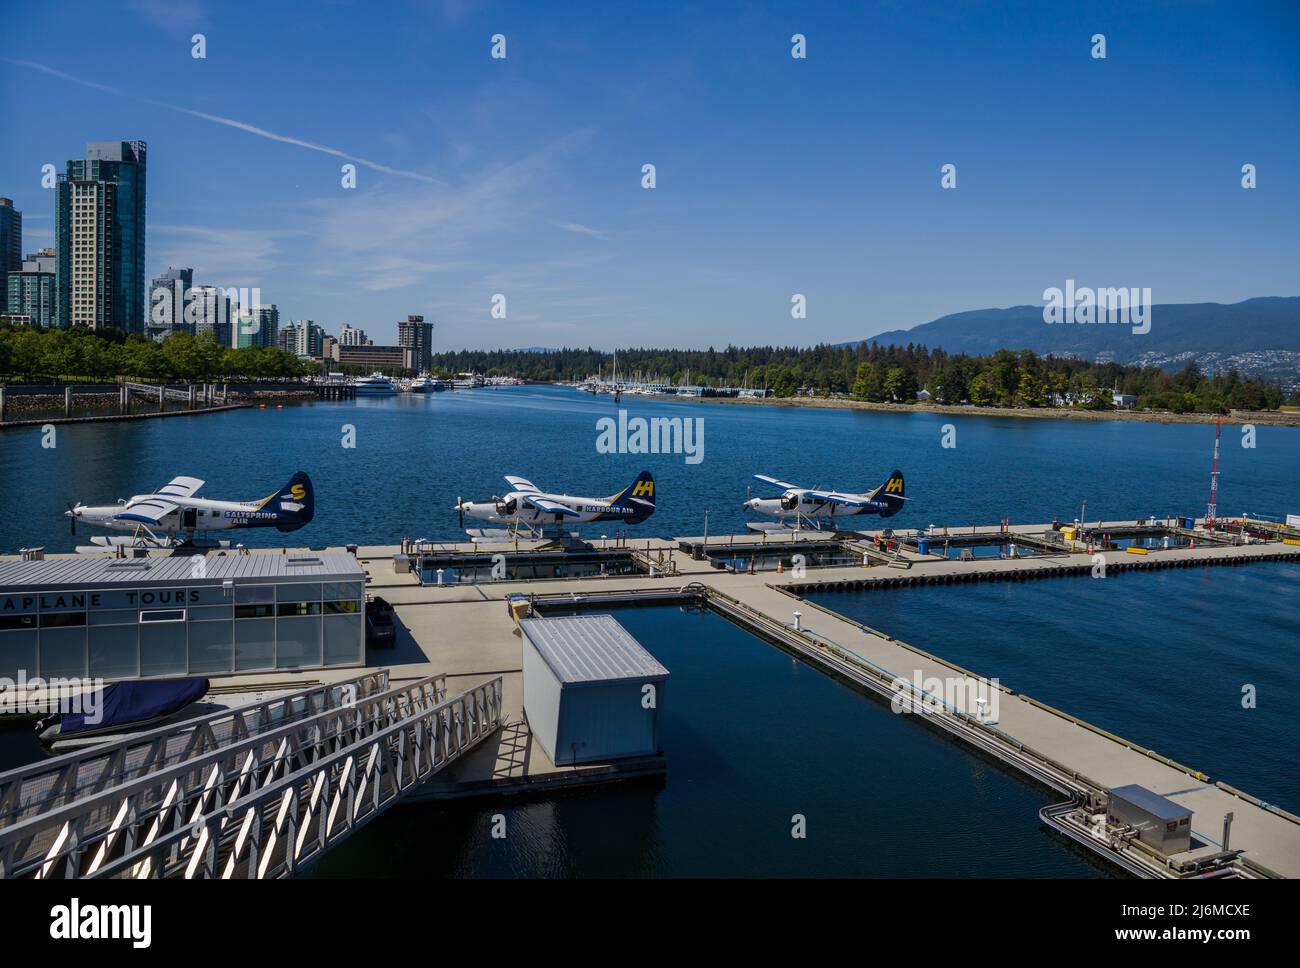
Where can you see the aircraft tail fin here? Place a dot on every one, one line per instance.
(639, 495)
(295, 502)
(891, 494)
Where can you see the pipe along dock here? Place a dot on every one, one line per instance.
(457, 639)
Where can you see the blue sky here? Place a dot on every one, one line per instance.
(775, 176)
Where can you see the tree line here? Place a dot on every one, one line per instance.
(864, 371)
(85, 355)
(868, 371)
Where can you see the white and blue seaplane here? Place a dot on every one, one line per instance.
(810, 507)
(170, 516)
(527, 508)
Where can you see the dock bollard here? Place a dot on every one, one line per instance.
(798, 621)
(439, 574)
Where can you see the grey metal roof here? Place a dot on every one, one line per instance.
(1153, 803)
(87, 572)
(590, 648)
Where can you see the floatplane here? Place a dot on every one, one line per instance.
(170, 516)
(813, 507)
(527, 510)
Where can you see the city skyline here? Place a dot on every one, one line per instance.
(776, 176)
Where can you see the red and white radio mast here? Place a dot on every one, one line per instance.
(1211, 512)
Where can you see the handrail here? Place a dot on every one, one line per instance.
(286, 824)
(122, 811)
(105, 765)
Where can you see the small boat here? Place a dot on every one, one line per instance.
(375, 385)
(122, 708)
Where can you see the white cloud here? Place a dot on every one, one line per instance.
(219, 256)
(583, 230)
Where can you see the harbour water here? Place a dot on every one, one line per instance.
(752, 736)
(415, 454)
(1162, 658)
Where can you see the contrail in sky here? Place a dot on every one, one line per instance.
(228, 122)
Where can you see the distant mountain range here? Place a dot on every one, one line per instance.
(1261, 337)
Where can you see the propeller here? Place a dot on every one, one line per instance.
(460, 511)
(72, 518)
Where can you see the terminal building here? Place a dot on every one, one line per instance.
(214, 615)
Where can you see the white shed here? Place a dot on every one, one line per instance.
(591, 691)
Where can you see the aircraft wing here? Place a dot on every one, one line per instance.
(149, 511)
(180, 487)
(775, 483)
(851, 502)
(550, 507)
(522, 484)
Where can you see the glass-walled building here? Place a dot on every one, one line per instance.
(99, 232)
(162, 617)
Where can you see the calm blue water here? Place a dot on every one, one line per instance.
(1159, 658)
(753, 737)
(415, 455)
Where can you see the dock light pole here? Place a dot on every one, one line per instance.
(706, 527)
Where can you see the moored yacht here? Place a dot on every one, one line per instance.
(375, 385)
(425, 384)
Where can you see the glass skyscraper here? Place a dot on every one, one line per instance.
(11, 245)
(99, 229)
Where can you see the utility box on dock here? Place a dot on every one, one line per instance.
(1162, 824)
(591, 692)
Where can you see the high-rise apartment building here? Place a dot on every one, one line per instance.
(167, 296)
(303, 338)
(416, 335)
(11, 245)
(260, 326)
(351, 336)
(210, 308)
(30, 297)
(99, 231)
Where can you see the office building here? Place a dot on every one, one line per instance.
(372, 357)
(99, 231)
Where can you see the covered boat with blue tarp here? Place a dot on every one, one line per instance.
(122, 707)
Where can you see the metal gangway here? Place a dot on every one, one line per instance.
(258, 791)
(211, 394)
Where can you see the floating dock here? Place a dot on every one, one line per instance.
(466, 631)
